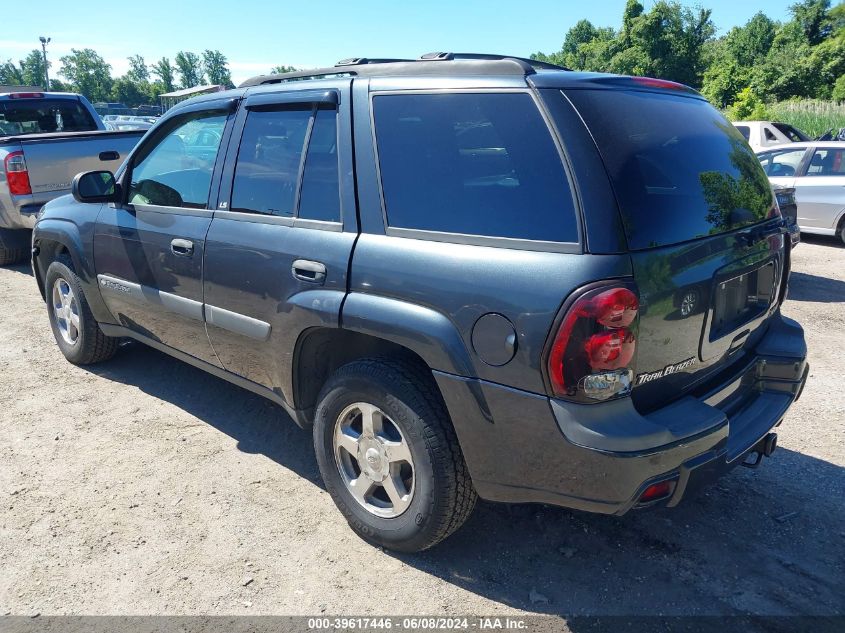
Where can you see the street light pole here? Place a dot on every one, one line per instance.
(44, 42)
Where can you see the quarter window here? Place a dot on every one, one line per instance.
(175, 170)
(472, 163)
(319, 198)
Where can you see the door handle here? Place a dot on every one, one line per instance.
(306, 270)
(109, 155)
(183, 248)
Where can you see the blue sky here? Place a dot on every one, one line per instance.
(258, 35)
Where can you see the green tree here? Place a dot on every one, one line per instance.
(280, 70)
(138, 71)
(189, 69)
(127, 91)
(165, 72)
(812, 16)
(748, 107)
(32, 69)
(732, 59)
(87, 73)
(839, 89)
(10, 74)
(667, 42)
(216, 68)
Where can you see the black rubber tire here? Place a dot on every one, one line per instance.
(11, 250)
(842, 232)
(92, 346)
(444, 496)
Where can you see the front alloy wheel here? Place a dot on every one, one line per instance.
(66, 309)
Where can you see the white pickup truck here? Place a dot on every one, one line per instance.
(46, 138)
(763, 134)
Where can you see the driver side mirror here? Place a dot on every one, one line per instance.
(95, 186)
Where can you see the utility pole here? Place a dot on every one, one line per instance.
(44, 42)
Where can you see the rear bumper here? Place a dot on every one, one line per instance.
(523, 447)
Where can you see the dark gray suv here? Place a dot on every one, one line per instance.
(466, 272)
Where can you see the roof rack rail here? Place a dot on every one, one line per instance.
(357, 61)
(429, 64)
(535, 63)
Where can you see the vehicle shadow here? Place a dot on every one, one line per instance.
(757, 542)
(806, 287)
(822, 240)
(258, 425)
(769, 541)
(22, 268)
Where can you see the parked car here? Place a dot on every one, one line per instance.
(459, 273)
(763, 134)
(129, 123)
(816, 171)
(46, 138)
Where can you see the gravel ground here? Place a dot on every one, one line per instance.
(144, 486)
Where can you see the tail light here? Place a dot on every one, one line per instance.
(16, 174)
(592, 355)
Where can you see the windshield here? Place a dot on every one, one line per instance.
(679, 169)
(37, 116)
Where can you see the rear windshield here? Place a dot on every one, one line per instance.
(36, 116)
(679, 169)
(793, 134)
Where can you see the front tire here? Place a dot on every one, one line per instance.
(389, 456)
(77, 332)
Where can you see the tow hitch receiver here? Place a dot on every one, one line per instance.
(763, 448)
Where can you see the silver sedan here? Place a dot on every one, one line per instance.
(817, 172)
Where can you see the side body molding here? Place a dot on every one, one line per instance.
(144, 294)
(428, 333)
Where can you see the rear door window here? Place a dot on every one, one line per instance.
(270, 153)
(480, 164)
(745, 131)
(827, 162)
(38, 116)
(679, 169)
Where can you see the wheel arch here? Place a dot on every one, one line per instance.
(55, 237)
(320, 351)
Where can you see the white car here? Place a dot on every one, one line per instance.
(764, 134)
(817, 172)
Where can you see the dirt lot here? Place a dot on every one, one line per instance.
(144, 486)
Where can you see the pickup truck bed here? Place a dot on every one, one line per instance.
(38, 161)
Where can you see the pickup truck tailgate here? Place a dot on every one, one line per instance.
(54, 159)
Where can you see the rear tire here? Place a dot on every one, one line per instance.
(416, 488)
(77, 333)
(13, 247)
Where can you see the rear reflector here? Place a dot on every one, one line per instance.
(16, 174)
(657, 491)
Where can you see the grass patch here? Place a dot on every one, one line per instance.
(812, 116)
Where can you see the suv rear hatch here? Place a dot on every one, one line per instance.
(703, 231)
